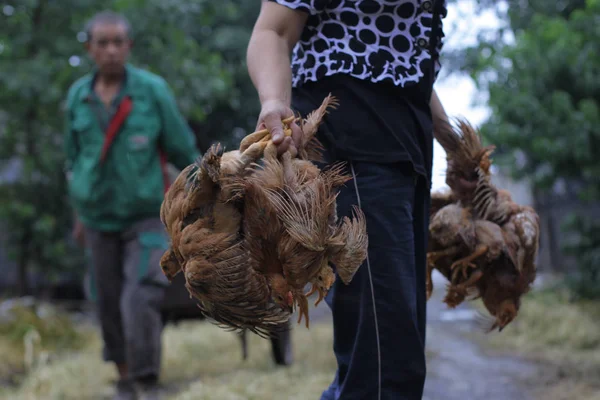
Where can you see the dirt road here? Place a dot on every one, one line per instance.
(458, 369)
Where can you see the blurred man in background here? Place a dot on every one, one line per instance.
(123, 125)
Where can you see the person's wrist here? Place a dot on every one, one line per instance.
(272, 98)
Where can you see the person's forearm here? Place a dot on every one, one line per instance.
(438, 113)
(268, 59)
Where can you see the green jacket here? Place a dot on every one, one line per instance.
(129, 185)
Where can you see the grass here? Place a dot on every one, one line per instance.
(200, 361)
(564, 337)
(29, 330)
(224, 376)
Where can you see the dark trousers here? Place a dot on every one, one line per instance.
(129, 287)
(379, 319)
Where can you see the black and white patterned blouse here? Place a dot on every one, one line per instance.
(368, 39)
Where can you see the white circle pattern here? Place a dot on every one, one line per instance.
(368, 39)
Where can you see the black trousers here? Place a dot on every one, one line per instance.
(384, 133)
(379, 318)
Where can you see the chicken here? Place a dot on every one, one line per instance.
(302, 198)
(210, 241)
(262, 228)
(512, 277)
(480, 239)
(468, 160)
(251, 229)
(303, 243)
(321, 283)
(171, 219)
(451, 234)
(170, 264)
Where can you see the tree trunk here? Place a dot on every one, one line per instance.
(23, 265)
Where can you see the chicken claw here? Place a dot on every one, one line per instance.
(252, 138)
(467, 262)
(322, 295)
(264, 134)
(433, 256)
(461, 266)
(457, 293)
(315, 288)
(302, 307)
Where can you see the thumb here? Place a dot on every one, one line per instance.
(275, 127)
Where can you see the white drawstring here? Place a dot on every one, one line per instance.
(372, 294)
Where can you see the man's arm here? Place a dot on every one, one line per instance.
(69, 140)
(177, 139)
(440, 123)
(276, 31)
(71, 149)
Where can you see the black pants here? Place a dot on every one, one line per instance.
(384, 133)
(379, 319)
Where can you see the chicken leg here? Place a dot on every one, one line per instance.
(233, 170)
(457, 293)
(467, 262)
(316, 288)
(263, 133)
(302, 302)
(433, 256)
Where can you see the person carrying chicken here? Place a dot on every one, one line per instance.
(380, 61)
(123, 125)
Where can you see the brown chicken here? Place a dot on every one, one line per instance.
(301, 199)
(171, 219)
(480, 240)
(250, 229)
(309, 241)
(209, 241)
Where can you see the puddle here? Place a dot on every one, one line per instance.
(458, 315)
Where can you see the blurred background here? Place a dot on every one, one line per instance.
(527, 72)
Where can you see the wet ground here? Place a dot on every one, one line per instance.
(458, 368)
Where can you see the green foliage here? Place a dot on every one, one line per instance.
(198, 46)
(27, 331)
(544, 94)
(55, 329)
(586, 248)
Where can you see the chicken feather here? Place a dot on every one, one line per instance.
(497, 263)
(250, 229)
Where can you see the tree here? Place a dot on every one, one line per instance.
(42, 54)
